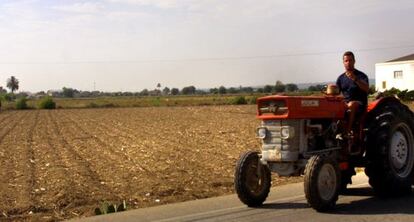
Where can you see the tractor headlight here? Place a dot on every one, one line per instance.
(287, 132)
(261, 133)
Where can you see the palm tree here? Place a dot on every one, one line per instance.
(158, 88)
(13, 84)
(2, 91)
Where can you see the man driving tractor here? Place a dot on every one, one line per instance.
(303, 135)
(354, 86)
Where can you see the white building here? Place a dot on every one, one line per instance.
(397, 73)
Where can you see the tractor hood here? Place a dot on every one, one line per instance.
(300, 107)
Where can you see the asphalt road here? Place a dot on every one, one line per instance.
(285, 203)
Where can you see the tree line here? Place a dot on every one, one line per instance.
(279, 87)
(68, 92)
(13, 84)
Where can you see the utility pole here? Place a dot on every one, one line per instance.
(94, 86)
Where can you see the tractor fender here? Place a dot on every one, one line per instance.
(380, 102)
(374, 109)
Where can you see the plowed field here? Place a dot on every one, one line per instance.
(62, 164)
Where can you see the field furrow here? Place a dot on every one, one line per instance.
(61, 178)
(16, 165)
(117, 140)
(4, 117)
(106, 165)
(75, 160)
(10, 123)
(27, 197)
(60, 164)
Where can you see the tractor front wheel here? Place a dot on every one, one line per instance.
(322, 182)
(252, 180)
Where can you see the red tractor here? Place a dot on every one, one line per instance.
(305, 135)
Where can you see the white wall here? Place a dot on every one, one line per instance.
(385, 72)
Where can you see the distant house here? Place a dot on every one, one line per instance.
(54, 93)
(397, 73)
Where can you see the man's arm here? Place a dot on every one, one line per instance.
(338, 83)
(362, 83)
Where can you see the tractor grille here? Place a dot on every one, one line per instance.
(282, 140)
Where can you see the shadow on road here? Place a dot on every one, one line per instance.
(362, 192)
(280, 206)
(369, 205)
(374, 205)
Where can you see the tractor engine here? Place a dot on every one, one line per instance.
(294, 128)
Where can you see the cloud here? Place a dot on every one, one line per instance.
(124, 16)
(164, 4)
(21, 10)
(81, 8)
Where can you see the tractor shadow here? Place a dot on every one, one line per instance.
(361, 192)
(374, 205)
(281, 206)
(369, 205)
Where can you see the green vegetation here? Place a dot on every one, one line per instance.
(150, 101)
(8, 97)
(156, 101)
(404, 95)
(239, 100)
(13, 84)
(280, 87)
(68, 98)
(69, 92)
(108, 208)
(21, 103)
(252, 99)
(47, 103)
(318, 87)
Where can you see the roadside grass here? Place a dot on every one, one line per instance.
(147, 101)
(156, 101)
(152, 101)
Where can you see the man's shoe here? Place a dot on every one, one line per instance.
(339, 136)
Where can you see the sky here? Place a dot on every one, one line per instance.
(129, 45)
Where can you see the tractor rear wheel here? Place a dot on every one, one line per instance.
(390, 151)
(252, 180)
(322, 182)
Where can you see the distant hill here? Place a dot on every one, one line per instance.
(300, 85)
(306, 85)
